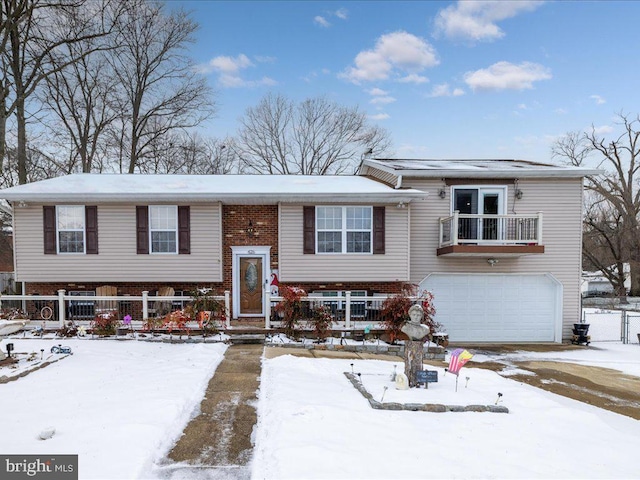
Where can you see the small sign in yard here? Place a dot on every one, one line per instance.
(426, 377)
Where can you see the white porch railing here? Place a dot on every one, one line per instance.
(53, 311)
(347, 310)
(462, 228)
(62, 307)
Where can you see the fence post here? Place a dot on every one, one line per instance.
(539, 232)
(227, 307)
(267, 307)
(454, 228)
(625, 327)
(347, 310)
(145, 305)
(61, 310)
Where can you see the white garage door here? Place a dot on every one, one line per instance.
(496, 308)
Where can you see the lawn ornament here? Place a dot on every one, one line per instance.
(61, 349)
(402, 382)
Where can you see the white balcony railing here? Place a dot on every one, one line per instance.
(465, 229)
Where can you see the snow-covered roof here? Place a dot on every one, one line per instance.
(476, 168)
(237, 189)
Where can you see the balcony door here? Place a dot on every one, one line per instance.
(479, 201)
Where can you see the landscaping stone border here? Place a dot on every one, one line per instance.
(397, 350)
(5, 379)
(421, 407)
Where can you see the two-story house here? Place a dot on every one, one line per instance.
(497, 241)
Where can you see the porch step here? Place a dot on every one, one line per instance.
(246, 338)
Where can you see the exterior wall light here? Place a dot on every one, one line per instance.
(442, 193)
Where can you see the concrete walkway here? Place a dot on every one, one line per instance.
(217, 443)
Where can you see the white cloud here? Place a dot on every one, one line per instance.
(233, 81)
(413, 78)
(561, 111)
(477, 20)
(393, 53)
(377, 91)
(601, 130)
(229, 69)
(226, 64)
(379, 116)
(443, 90)
(342, 13)
(522, 106)
(507, 76)
(382, 100)
(319, 20)
(598, 99)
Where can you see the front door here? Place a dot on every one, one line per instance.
(251, 289)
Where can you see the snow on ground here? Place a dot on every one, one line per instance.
(314, 424)
(119, 405)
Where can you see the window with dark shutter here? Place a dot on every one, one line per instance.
(184, 230)
(142, 229)
(378, 230)
(309, 230)
(49, 222)
(91, 227)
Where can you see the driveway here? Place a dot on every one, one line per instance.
(602, 387)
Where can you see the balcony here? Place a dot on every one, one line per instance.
(468, 235)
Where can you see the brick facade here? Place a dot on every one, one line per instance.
(235, 222)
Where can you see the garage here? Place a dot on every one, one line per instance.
(497, 307)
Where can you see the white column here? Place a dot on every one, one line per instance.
(347, 310)
(61, 309)
(145, 305)
(267, 307)
(454, 228)
(539, 234)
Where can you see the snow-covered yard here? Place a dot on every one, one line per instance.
(120, 406)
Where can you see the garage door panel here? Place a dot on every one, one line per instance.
(496, 308)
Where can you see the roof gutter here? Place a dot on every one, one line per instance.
(399, 182)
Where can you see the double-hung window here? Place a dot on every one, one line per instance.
(343, 229)
(163, 228)
(70, 227)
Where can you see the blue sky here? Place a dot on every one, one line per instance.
(474, 79)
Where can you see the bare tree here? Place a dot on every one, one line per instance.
(36, 31)
(82, 98)
(191, 154)
(316, 136)
(605, 244)
(617, 193)
(160, 90)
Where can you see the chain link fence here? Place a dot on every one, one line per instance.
(612, 325)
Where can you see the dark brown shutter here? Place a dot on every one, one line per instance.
(91, 229)
(49, 222)
(309, 230)
(378, 230)
(184, 230)
(142, 229)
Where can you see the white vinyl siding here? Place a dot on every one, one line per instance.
(70, 228)
(117, 260)
(559, 200)
(295, 266)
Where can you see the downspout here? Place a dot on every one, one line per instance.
(399, 182)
